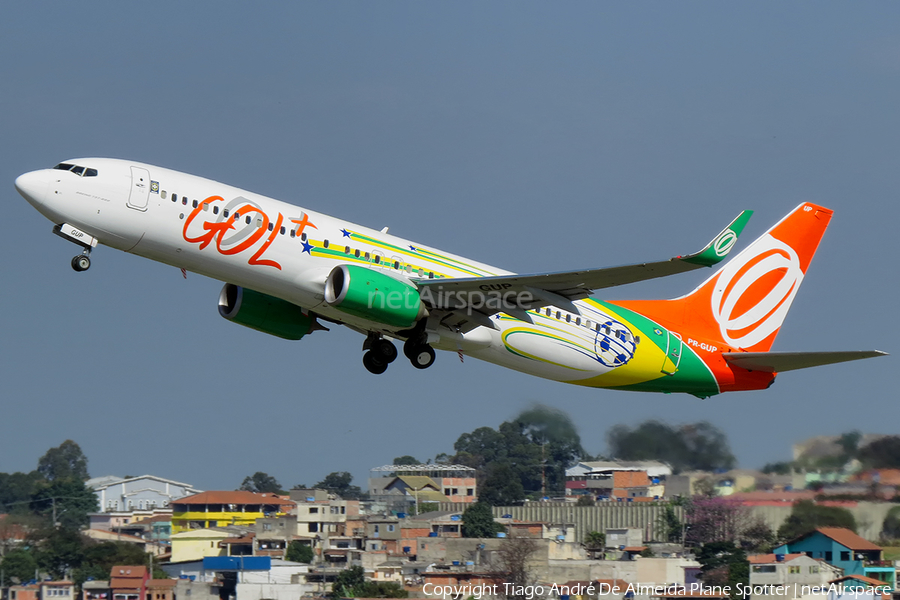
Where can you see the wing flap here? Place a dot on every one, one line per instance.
(778, 362)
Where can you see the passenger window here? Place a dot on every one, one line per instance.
(409, 268)
(421, 272)
(215, 210)
(346, 249)
(293, 232)
(282, 230)
(174, 197)
(357, 253)
(578, 320)
(396, 264)
(248, 219)
(325, 243)
(93, 173)
(184, 200)
(78, 170)
(225, 213)
(558, 315)
(205, 205)
(430, 274)
(271, 226)
(303, 237)
(568, 318)
(367, 256)
(194, 204)
(377, 259)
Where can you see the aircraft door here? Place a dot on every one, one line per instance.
(674, 348)
(140, 189)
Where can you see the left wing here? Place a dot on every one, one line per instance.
(527, 292)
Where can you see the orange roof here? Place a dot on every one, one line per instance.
(870, 580)
(128, 571)
(236, 497)
(847, 538)
(764, 559)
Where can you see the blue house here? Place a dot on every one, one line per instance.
(841, 548)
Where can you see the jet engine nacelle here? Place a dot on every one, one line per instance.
(373, 295)
(265, 313)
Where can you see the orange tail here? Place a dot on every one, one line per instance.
(744, 303)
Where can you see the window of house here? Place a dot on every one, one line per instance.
(313, 527)
(470, 492)
(845, 556)
(793, 570)
(314, 510)
(814, 569)
(343, 510)
(390, 527)
(828, 556)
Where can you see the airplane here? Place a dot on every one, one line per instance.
(287, 270)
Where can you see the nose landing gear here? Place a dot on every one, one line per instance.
(82, 262)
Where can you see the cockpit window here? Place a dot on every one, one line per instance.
(83, 172)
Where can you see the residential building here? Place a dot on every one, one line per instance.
(194, 544)
(842, 548)
(128, 583)
(95, 590)
(456, 482)
(858, 587)
(57, 590)
(25, 592)
(161, 589)
(600, 478)
(791, 570)
(219, 509)
(146, 492)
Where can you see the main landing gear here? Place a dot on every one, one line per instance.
(381, 352)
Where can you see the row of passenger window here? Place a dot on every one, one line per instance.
(598, 327)
(378, 260)
(78, 170)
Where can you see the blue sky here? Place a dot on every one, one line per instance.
(531, 136)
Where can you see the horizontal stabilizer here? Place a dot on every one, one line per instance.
(777, 362)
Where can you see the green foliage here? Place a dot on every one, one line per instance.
(500, 486)
(890, 529)
(697, 446)
(73, 501)
(351, 583)
(777, 468)
(595, 540)
(670, 525)
(806, 516)
(299, 552)
(406, 459)
(60, 550)
(585, 500)
(534, 448)
(19, 564)
(478, 522)
(339, 483)
(723, 563)
(262, 483)
(882, 454)
(66, 461)
(16, 490)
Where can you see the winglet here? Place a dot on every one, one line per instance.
(721, 245)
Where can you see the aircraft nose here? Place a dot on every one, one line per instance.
(33, 185)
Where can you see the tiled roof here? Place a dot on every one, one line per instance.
(236, 497)
(128, 571)
(764, 559)
(847, 538)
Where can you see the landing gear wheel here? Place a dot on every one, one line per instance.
(422, 356)
(412, 345)
(373, 365)
(82, 262)
(384, 351)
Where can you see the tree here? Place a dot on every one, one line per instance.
(670, 526)
(594, 543)
(501, 487)
(515, 555)
(716, 520)
(351, 583)
(16, 489)
(806, 516)
(585, 500)
(19, 564)
(297, 551)
(406, 459)
(890, 529)
(66, 461)
(881, 454)
(478, 521)
(338, 483)
(696, 446)
(69, 498)
(723, 563)
(59, 551)
(262, 483)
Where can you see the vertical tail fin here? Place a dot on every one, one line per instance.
(745, 302)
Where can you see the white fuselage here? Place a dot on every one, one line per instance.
(286, 251)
